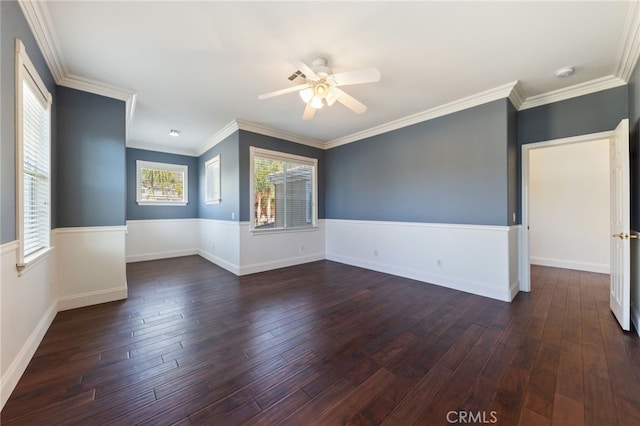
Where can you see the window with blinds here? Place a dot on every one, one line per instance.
(161, 184)
(284, 189)
(36, 171)
(33, 168)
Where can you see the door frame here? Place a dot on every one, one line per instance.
(525, 263)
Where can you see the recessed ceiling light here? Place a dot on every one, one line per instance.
(174, 132)
(564, 72)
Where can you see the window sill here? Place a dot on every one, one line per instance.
(284, 230)
(146, 203)
(33, 259)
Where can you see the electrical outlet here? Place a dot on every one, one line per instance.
(440, 263)
(301, 247)
(375, 252)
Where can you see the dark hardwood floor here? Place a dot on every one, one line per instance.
(330, 344)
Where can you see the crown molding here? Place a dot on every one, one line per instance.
(221, 135)
(162, 148)
(38, 18)
(630, 48)
(87, 85)
(249, 126)
(517, 96)
(500, 92)
(37, 15)
(603, 83)
(267, 131)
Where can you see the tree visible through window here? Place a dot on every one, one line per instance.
(161, 183)
(283, 190)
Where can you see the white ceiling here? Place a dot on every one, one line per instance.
(198, 66)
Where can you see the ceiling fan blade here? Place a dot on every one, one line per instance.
(349, 101)
(283, 91)
(309, 112)
(308, 72)
(365, 75)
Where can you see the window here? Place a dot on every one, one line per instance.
(284, 191)
(161, 184)
(33, 169)
(212, 180)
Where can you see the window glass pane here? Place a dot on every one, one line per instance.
(212, 180)
(283, 193)
(265, 203)
(161, 183)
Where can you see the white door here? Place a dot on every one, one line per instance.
(620, 293)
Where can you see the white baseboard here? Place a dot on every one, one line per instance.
(570, 264)
(442, 281)
(281, 263)
(92, 298)
(234, 269)
(476, 259)
(10, 379)
(160, 255)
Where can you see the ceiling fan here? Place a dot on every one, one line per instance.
(321, 86)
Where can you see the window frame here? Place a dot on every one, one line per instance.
(25, 72)
(210, 167)
(167, 167)
(285, 157)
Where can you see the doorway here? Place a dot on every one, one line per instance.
(564, 231)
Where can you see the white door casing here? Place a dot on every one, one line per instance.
(620, 289)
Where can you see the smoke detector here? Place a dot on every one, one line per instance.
(564, 72)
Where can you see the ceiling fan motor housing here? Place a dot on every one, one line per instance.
(319, 66)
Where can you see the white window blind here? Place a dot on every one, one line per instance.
(33, 167)
(284, 190)
(36, 171)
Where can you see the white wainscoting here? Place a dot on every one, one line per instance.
(90, 265)
(27, 308)
(271, 250)
(569, 264)
(477, 259)
(161, 238)
(219, 243)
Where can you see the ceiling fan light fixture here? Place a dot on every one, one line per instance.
(306, 94)
(321, 89)
(316, 102)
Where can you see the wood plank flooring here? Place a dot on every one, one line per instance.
(330, 344)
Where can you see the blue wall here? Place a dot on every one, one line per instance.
(13, 25)
(452, 169)
(229, 206)
(137, 212)
(249, 139)
(91, 160)
(596, 112)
